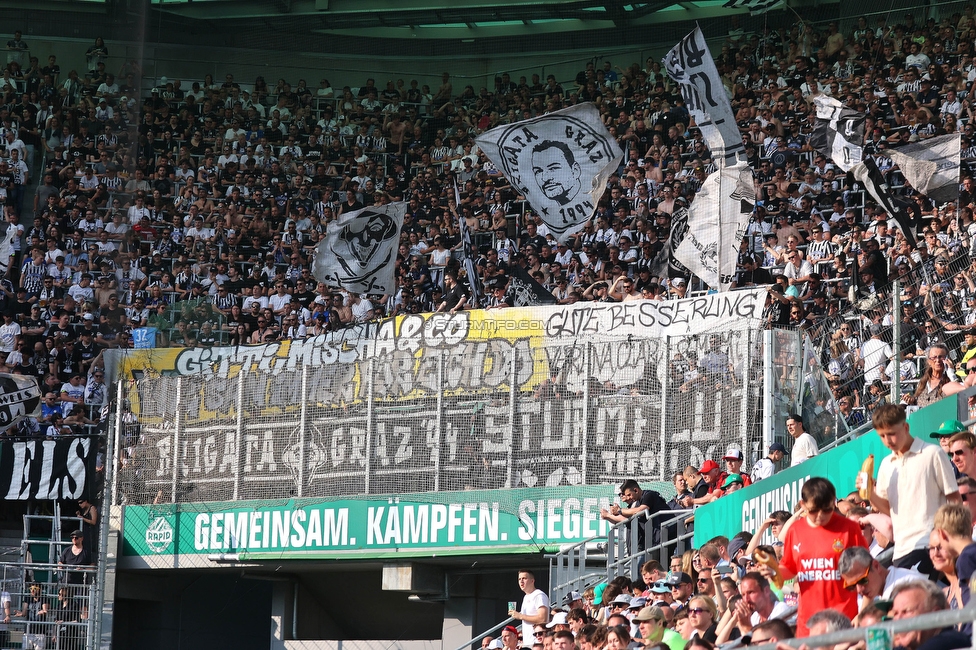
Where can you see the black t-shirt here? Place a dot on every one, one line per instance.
(83, 559)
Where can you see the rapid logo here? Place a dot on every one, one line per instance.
(159, 535)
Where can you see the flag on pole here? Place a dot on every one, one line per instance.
(717, 221)
(755, 7)
(474, 283)
(931, 166)
(867, 172)
(559, 161)
(838, 132)
(691, 66)
(359, 251)
(665, 264)
(525, 291)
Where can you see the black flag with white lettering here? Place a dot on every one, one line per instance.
(525, 291)
(63, 468)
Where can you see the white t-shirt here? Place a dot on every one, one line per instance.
(530, 606)
(805, 447)
(779, 610)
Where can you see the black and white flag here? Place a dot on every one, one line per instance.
(867, 172)
(665, 264)
(63, 468)
(474, 284)
(359, 251)
(931, 166)
(560, 162)
(838, 132)
(525, 291)
(717, 221)
(755, 7)
(691, 66)
(20, 397)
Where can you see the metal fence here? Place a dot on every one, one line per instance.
(48, 608)
(466, 415)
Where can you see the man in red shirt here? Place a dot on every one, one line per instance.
(814, 539)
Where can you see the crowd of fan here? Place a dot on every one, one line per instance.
(196, 212)
(898, 547)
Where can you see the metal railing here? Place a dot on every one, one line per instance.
(488, 632)
(576, 567)
(626, 554)
(59, 616)
(926, 621)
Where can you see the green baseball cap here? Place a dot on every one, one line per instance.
(948, 428)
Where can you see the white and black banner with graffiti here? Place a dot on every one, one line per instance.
(838, 132)
(931, 166)
(690, 64)
(525, 291)
(63, 468)
(359, 251)
(526, 396)
(560, 162)
(717, 221)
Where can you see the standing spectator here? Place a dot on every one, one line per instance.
(814, 540)
(804, 445)
(766, 467)
(874, 355)
(953, 526)
(912, 484)
(534, 609)
(96, 54)
(17, 49)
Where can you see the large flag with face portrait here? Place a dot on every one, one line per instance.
(560, 162)
(691, 66)
(717, 221)
(359, 251)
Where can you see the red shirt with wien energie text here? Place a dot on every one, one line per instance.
(813, 554)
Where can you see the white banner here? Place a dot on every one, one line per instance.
(717, 221)
(838, 133)
(931, 166)
(690, 64)
(560, 162)
(359, 251)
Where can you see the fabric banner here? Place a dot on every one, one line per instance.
(359, 251)
(755, 7)
(665, 264)
(717, 221)
(525, 291)
(560, 162)
(867, 172)
(931, 166)
(690, 64)
(20, 396)
(63, 468)
(838, 132)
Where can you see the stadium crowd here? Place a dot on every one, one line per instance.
(192, 213)
(899, 546)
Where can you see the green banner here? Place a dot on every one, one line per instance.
(409, 525)
(747, 508)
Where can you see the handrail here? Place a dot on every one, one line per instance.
(940, 619)
(510, 619)
(623, 550)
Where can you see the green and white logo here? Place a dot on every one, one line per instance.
(159, 535)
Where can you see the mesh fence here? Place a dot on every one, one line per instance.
(276, 422)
